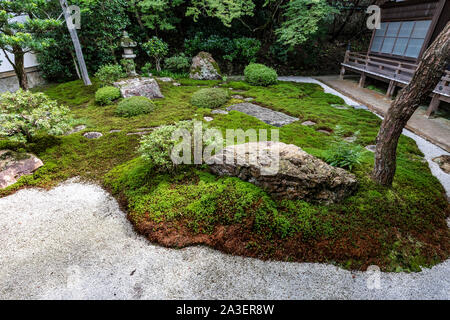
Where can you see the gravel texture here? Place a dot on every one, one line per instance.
(73, 242)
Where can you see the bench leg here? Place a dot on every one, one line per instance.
(362, 80)
(391, 89)
(434, 105)
(341, 76)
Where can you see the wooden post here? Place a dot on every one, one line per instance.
(362, 80)
(434, 105)
(346, 58)
(76, 43)
(391, 89)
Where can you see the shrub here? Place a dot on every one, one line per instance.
(134, 106)
(109, 73)
(157, 49)
(157, 146)
(209, 98)
(23, 114)
(106, 95)
(259, 75)
(344, 154)
(147, 68)
(178, 63)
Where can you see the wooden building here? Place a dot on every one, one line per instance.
(407, 29)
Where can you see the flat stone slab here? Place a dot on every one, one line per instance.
(76, 129)
(145, 87)
(237, 96)
(208, 119)
(219, 112)
(13, 165)
(324, 131)
(274, 118)
(371, 148)
(92, 135)
(350, 139)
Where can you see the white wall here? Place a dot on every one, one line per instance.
(30, 59)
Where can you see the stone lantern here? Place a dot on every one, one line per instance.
(128, 44)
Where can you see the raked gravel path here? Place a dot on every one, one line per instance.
(73, 242)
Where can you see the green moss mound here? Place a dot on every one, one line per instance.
(210, 98)
(107, 95)
(259, 75)
(134, 106)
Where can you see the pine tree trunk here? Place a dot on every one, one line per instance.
(19, 67)
(424, 81)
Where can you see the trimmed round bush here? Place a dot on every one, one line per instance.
(109, 73)
(106, 95)
(209, 98)
(259, 75)
(134, 106)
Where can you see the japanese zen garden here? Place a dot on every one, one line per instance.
(244, 149)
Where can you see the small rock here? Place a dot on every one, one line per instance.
(76, 129)
(219, 111)
(324, 131)
(308, 123)
(138, 133)
(371, 147)
(92, 135)
(176, 84)
(208, 119)
(350, 139)
(236, 96)
(443, 162)
(13, 165)
(114, 131)
(249, 99)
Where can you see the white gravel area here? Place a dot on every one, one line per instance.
(428, 149)
(73, 242)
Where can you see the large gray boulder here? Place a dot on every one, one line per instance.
(204, 67)
(13, 165)
(145, 87)
(295, 174)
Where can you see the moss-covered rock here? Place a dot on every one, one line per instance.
(204, 67)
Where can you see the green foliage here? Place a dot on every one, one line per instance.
(147, 68)
(303, 19)
(109, 73)
(24, 114)
(107, 95)
(259, 75)
(158, 14)
(157, 49)
(238, 50)
(178, 63)
(342, 153)
(225, 11)
(129, 66)
(102, 24)
(156, 147)
(134, 106)
(210, 98)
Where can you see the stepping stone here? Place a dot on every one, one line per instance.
(176, 84)
(114, 131)
(249, 99)
(371, 147)
(92, 135)
(219, 112)
(324, 131)
(236, 96)
(266, 115)
(338, 106)
(165, 79)
(208, 119)
(13, 165)
(308, 123)
(78, 128)
(350, 139)
(138, 133)
(144, 129)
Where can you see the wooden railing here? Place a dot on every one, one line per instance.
(396, 71)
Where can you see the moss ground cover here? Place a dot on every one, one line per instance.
(401, 228)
